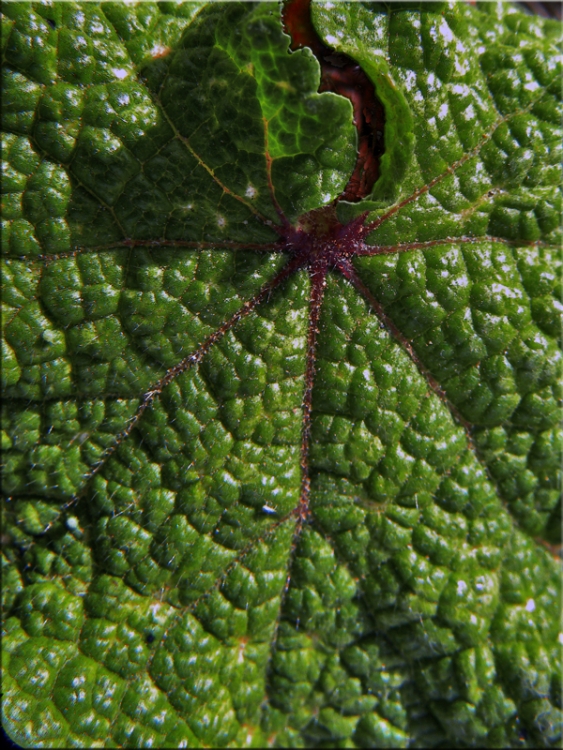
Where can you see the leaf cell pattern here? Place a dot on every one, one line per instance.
(280, 467)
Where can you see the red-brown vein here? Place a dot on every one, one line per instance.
(370, 250)
(449, 171)
(271, 188)
(185, 364)
(349, 272)
(301, 512)
(273, 247)
(318, 284)
(211, 173)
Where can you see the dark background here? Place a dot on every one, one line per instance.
(7, 742)
(549, 10)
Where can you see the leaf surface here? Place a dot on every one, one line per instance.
(280, 467)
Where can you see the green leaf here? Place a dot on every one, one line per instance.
(278, 467)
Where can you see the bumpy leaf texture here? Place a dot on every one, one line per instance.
(281, 464)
